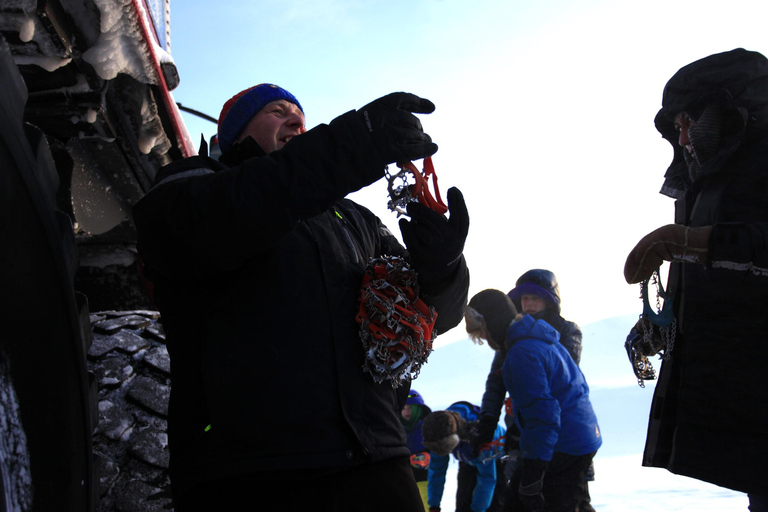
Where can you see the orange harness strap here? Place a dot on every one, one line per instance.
(419, 190)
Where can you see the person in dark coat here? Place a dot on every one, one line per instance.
(412, 418)
(709, 417)
(257, 262)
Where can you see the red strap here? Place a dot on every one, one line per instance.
(508, 408)
(421, 187)
(495, 442)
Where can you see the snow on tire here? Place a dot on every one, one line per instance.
(16, 484)
(130, 362)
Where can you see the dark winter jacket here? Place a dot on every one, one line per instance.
(549, 393)
(485, 464)
(256, 272)
(709, 418)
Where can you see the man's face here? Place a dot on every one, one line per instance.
(274, 125)
(684, 123)
(532, 304)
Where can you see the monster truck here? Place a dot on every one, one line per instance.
(86, 120)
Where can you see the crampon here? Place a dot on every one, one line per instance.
(402, 191)
(395, 324)
(653, 334)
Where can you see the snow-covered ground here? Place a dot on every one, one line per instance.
(457, 372)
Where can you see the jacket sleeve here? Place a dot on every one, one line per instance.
(739, 247)
(495, 390)
(571, 339)
(449, 297)
(536, 409)
(213, 222)
(438, 466)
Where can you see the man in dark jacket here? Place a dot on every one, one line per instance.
(709, 416)
(257, 262)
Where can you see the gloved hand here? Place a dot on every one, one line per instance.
(531, 484)
(482, 433)
(672, 242)
(434, 242)
(395, 131)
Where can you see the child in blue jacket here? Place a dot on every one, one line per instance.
(559, 430)
(446, 432)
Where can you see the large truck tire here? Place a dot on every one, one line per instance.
(132, 368)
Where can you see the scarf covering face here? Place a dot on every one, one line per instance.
(705, 139)
(736, 83)
(417, 411)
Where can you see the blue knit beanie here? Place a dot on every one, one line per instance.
(240, 109)
(414, 398)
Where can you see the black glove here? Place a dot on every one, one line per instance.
(531, 484)
(395, 131)
(482, 433)
(434, 242)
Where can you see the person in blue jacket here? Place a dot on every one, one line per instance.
(550, 396)
(412, 417)
(446, 432)
(536, 293)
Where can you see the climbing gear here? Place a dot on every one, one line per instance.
(420, 460)
(509, 408)
(396, 326)
(656, 334)
(496, 448)
(402, 191)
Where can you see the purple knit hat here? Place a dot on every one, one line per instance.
(240, 109)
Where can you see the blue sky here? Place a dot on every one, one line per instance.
(544, 109)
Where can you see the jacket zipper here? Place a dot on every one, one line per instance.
(347, 235)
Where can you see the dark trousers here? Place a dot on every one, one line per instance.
(467, 480)
(379, 487)
(758, 503)
(565, 486)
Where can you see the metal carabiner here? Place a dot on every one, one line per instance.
(666, 315)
